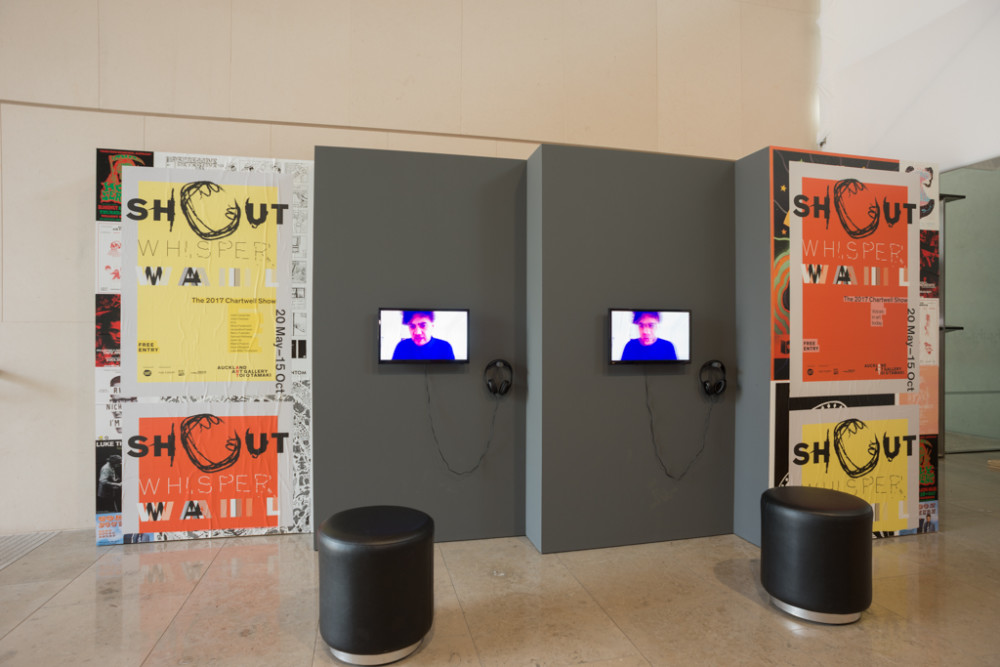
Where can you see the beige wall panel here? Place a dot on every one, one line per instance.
(513, 70)
(49, 51)
(699, 78)
(291, 60)
(213, 137)
(48, 476)
(804, 6)
(49, 165)
(719, 78)
(294, 142)
(611, 82)
(1, 216)
(516, 150)
(166, 57)
(406, 65)
(779, 72)
(429, 143)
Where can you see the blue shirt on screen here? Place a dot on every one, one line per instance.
(433, 350)
(661, 350)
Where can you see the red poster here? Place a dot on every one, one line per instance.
(109, 178)
(204, 472)
(781, 160)
(108, 329)
(854, 280)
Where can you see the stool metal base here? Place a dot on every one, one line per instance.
(815, 616)
(377, 659)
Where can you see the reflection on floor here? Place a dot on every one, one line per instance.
(253, 601)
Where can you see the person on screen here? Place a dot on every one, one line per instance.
(421, 345)
(648, 347)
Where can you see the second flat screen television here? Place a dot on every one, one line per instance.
(649, 336)
(423, 336)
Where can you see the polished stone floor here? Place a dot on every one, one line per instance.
(253, 601)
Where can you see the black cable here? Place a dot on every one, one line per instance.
(437, 443)
(652, 433)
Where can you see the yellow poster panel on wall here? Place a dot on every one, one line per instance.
(872, 453)
(206, 293)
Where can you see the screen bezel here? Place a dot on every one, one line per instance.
(642, 362)
(390, 361)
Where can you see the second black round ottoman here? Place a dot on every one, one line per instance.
(376, 582)
(816, 552)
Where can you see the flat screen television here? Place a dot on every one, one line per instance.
(649, 336)
(423, 336)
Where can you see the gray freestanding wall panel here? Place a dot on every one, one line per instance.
(533, 327)
(753, 341)
(628, 230)
(412, 230)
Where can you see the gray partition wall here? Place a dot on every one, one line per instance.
(626, 230)
(753, 341)
(412, 230)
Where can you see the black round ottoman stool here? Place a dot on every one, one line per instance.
(376, 583)
(816, 553)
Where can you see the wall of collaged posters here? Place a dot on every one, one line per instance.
(855, 332)
(203, 340)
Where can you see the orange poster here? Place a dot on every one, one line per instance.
(854, 281)
(198, 471)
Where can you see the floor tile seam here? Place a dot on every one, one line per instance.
(68, 582)
(34, 611)
(884, 610)
(890, 559)
(975, 505)
(902, 575)
(985, 499)
(43, 537)
(604, 611)
(951, 583)
(990, 449)
(180, 607)
(461, 605)
(319, 644)
(977, 478)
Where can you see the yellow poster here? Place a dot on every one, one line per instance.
(872, 453)
(209, 308)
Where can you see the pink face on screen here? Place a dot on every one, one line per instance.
(420, 329)
(647, 329)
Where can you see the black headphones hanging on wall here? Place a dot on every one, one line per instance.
(499, 377)
(713, 386)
